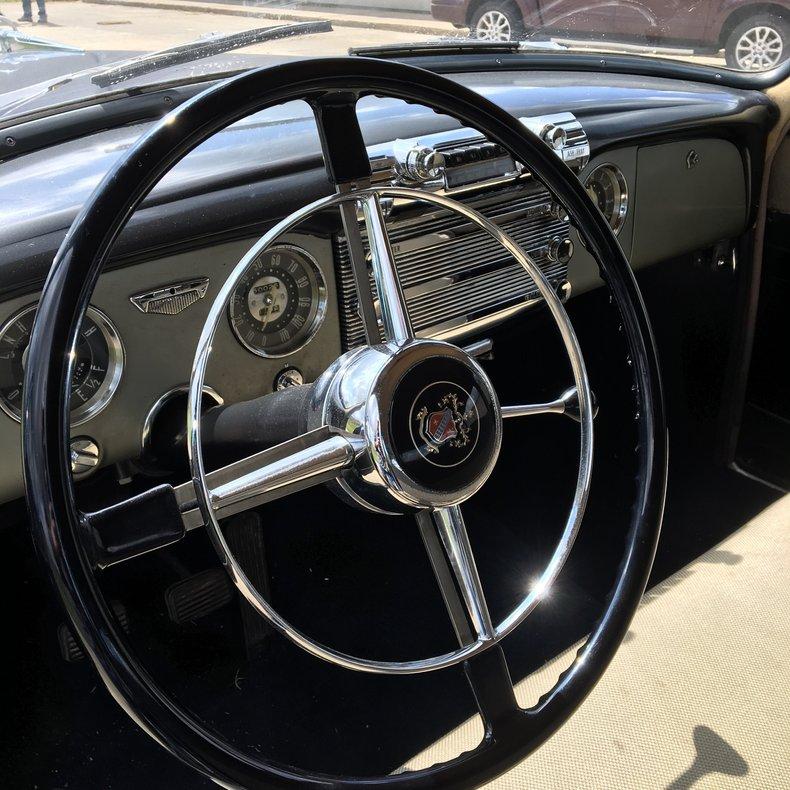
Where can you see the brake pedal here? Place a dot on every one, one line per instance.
(244, 534)
(198, 596)
(70, 649)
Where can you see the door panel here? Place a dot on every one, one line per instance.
(664, 21)
(579, 18)
(764, 440)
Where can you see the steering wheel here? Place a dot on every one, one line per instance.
(401, 425)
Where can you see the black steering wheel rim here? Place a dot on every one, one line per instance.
(55, 520)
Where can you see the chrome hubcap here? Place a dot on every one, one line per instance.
(759, 48)
(493, 26)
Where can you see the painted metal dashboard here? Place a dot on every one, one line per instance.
(681, 150)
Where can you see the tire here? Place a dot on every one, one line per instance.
(758, 43)
(497, 21)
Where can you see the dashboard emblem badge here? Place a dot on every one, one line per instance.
(171, 299)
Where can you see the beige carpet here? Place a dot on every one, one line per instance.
(699, 693)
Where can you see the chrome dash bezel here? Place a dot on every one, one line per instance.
(115, 365)
(318, 318)
(618, 220)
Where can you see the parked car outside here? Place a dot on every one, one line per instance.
(754, 36)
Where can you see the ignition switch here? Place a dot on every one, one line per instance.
(290, 377)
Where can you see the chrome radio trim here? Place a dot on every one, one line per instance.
(425, 161)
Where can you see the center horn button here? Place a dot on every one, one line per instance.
(430, 419)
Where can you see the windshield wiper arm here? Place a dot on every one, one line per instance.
(448, 46)
(203, 48)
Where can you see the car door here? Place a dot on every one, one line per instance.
(576, 19)
(662, 22)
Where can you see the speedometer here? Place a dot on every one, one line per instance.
(96, 371)
(279, 303)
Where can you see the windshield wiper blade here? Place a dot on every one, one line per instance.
(450, 46)
(442, 47)
(203, 48)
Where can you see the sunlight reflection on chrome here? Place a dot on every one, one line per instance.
(539, 589)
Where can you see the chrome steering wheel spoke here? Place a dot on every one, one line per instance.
(394, 312)
(348, 167)
(567, 404)
(448, 524)
(122, 531)
(308, 460)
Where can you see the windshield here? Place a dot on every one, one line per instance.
(54, 53)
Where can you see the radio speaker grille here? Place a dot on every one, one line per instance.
(453, 273)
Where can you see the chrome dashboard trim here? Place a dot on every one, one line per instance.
(171, 299)
(455, 279)
(460, 327)
(181, 389)
(117, 359)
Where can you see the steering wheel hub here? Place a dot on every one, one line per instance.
(428, 415)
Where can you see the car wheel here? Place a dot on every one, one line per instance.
(758, 43)
(497, 22)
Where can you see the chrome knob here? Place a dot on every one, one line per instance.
(554, 136)
(84, 456)
(422, 163)
(558, 212)
(560, 250)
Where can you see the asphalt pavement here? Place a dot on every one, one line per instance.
(147, 25)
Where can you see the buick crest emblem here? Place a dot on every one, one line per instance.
(448, 424)
(444, 423)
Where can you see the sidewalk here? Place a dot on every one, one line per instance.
(148, 26)
(419, 25)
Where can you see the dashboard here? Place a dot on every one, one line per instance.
(669, 182)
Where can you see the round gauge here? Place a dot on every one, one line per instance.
(279, 303)
(96, 370)
(607, 187)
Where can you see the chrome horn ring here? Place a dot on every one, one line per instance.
(360, 446)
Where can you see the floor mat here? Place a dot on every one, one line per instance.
(696, 697)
